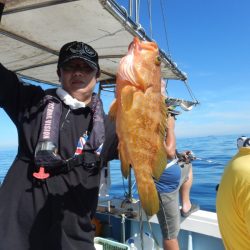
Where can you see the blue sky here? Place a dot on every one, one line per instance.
(210, 41)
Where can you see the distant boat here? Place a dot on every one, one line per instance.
(32, 32)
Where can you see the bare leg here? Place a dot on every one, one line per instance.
(171, 244)
(185, 192)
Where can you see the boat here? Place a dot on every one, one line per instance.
(31, 34)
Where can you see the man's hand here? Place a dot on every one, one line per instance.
(170, 143)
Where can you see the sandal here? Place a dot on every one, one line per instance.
(193, 209)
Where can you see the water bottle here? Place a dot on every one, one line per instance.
(132, 244)
(148, 242)
(133, 247)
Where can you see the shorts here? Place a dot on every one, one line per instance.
(169, 212)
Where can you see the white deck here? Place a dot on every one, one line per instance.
(199, 231)
(202, 222)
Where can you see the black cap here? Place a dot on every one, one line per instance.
(79, 50)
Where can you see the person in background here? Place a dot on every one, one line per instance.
(176, 178)
(233, 199)
(50, 192)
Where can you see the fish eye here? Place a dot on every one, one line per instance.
(158, 60)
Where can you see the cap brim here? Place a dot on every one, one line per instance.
(90, 63)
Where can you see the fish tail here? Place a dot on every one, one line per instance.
(148, 194)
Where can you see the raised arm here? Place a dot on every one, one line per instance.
(170, 142)
(14, 94)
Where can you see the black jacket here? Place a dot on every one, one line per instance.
(57, 213)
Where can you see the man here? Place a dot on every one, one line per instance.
(177, 177)
(50, 193)
(233, 199)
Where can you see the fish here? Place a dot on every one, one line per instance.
(140, 115)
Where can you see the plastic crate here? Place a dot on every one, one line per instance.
(110, 244)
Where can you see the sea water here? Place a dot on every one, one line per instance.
(212, 152)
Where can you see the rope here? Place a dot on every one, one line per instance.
(141, 227)
(157, 245)
(124, 188)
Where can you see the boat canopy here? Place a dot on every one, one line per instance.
(33, 31)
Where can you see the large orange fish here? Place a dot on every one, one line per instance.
(141, 115)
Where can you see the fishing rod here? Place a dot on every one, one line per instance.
(209, 161)
(192, 157)
(189, 158)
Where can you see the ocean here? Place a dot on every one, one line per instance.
(212, 152)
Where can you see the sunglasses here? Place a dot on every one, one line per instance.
(78, 67)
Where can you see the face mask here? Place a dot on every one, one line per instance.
(69, 100)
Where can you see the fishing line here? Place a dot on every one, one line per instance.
(192, 157)
(209, 161)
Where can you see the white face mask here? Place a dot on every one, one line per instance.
(69, 100)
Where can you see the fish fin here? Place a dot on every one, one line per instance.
(127, 95)
(160, 163)
(161, 159)
(123, 156)
(164, 115)
(148, 194)
(113, 110)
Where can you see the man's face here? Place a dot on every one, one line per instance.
(77, 77)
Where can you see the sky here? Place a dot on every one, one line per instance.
(210, 42)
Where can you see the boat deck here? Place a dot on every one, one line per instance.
(121, 220)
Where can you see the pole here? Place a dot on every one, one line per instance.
(2, 4)
(131, 7)
(137, 11)
(130, 185)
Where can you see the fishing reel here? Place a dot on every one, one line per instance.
(172, 108)
(186, 157)
(191, 156)
(173, 103)
(173, 112)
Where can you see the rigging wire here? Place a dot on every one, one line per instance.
(165, 28)
(137, 11)
(139, 6)
(190, 92)
(150, 18)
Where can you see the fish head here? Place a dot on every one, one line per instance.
(141, 66)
